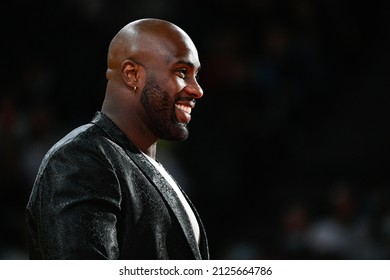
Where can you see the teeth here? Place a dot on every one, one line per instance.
(184, 108)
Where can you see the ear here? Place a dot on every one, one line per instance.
(130, 73)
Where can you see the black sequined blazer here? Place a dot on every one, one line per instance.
(97, 197)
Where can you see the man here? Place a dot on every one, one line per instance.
(99, 192)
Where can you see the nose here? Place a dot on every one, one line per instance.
(194, 89)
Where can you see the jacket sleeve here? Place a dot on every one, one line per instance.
(76, 205)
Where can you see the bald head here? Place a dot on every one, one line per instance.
(143, 40)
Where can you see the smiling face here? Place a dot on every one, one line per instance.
(169, 114)
(171, 87)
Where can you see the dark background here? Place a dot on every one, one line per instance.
(288, 155)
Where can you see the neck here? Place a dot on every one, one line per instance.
(146, 144)
(150, 151)
(121, 108)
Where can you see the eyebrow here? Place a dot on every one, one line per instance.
(190, 64)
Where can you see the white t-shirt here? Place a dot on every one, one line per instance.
(179, 193)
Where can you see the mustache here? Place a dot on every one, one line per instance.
(186, 98)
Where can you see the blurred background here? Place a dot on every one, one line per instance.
(288, 154)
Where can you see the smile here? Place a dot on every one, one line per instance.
(183, 113)
(184, 108)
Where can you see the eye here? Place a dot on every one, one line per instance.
(182, 73)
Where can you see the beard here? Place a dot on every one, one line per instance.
(160, 108)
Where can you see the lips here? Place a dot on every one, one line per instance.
(183, 113)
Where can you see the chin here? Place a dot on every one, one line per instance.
(180, 133)
(184, 132)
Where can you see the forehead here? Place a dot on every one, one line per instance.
(172, 49)
(183, 53)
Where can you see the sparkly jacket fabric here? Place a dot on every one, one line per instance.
(96, 196)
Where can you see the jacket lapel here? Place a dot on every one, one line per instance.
(203, 242)
(170, 197)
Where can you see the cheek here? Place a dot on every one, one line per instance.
(170, 85)
(176, 84)
(170, 79)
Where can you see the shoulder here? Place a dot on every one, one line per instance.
(81, 138)
(85, 144)
(79, 161)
